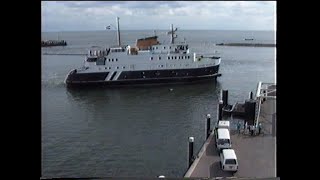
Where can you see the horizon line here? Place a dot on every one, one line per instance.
(155, 30)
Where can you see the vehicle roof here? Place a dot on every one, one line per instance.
(224, 123)
(229, 154)
(223, 133)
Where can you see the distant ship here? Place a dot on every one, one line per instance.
(50, 43)
(145, 63)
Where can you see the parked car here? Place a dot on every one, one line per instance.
(223, 140)
(228, 160)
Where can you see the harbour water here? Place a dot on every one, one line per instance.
(139, 131)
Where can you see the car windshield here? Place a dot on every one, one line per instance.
(231, 161)
(223, 141)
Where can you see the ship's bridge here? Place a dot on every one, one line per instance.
(170, 48)
(118, 49)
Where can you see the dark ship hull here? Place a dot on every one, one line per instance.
(165, 76)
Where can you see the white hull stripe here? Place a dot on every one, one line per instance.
(109, 76)
(117, 75)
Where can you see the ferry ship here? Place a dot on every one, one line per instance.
(147, 62)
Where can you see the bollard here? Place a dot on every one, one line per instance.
(225, 97)
(191, 140)
(220, 110)
(208, 126)
(250, 95)
(161, 176)
(274, 124)
(250, 111)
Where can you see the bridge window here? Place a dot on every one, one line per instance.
(175, 57)
(156, 47)
(170, 47)
(109, 67)
(116, 59)
(92, 59)
(168, 57)
(159, 58)
(164, 47)
(117, 67)
(188, 57)
(123, 67)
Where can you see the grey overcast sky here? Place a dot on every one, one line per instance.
(149, 15)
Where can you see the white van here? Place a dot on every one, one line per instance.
(224, 124)
(228, 160)
(223, 140)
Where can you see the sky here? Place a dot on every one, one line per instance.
(156, 15)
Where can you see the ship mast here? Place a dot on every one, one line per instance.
(172, 34)
(172, 38)
(118, 29)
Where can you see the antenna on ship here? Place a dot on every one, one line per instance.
(172, 38)
(172, 34)
(118, 29)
